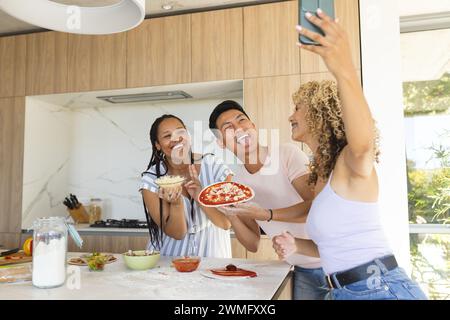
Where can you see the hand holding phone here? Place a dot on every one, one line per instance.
(334, 47)
(311, 6)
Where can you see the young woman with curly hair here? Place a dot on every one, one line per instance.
(335, 121)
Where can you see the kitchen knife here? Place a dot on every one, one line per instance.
(73, 201)
(76, 201)
(7, 253)
(67, 203)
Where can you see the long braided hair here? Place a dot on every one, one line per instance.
(158, 160)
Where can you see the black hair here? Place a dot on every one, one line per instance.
(221, 108)
(158, 160)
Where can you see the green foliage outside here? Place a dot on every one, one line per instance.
(429, 190)
(429, 193)
(427, 97)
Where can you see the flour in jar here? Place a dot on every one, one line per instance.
(49, 263)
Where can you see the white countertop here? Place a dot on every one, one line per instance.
(161, 283)
(86, 229)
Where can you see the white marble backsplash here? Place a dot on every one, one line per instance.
(95, 151)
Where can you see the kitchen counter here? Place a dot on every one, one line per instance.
(161, 283)
(84, 229)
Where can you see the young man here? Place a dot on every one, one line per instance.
(279, 177)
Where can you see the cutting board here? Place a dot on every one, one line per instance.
(19, 257)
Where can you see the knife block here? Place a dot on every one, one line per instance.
(79, 215)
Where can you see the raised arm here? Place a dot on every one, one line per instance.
(359, 125)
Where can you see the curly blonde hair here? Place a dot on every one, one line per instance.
(324, 120)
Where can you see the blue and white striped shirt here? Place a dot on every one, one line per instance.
(211, 240)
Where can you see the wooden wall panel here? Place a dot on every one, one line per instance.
(97, 62)
(321, 76)
(348, 13)
(12, 122)
(159, 52)
(10, 240)
(270, 99)
(217, 45)
(12, 66)
(270, 40)
(114, 243)
(47, 68)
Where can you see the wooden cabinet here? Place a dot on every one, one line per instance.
(286, 290)
(217, 45)
(12, 127)
(10, 240)
(270, 38)
(237, 249)
(97, 62)
(265, 251)
(47, 63)
(348, 13)
(12, 66)
(159, 52)
(321, 76)
(269, 101)
(114, 244)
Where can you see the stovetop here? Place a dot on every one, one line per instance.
(124, 223)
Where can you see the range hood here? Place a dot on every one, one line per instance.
(146, 97)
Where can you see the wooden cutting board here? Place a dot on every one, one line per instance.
(16, 258)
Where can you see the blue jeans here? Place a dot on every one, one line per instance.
(309, 284)
(389, 285)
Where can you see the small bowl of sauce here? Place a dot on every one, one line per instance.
(186, 264)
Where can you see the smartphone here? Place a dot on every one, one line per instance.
(311, 6)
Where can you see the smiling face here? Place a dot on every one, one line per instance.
(238, 133)
(299, 126)
(173, 140)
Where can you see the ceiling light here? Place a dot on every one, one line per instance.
(47, 14)
(145, 97)
(167, 6)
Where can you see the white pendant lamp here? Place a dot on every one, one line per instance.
(47, 14)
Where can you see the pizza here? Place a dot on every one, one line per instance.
(232, 271)
(83, 260)
(225, 193)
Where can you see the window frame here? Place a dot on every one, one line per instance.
(421, 23)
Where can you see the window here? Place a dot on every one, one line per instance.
(426, 95)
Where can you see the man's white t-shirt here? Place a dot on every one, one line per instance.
(274, 190)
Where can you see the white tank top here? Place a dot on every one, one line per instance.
(347, 233)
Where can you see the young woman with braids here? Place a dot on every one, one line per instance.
(176, 220)
(343, 222)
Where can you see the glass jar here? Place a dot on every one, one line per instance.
(95, 210)
(49, 252)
